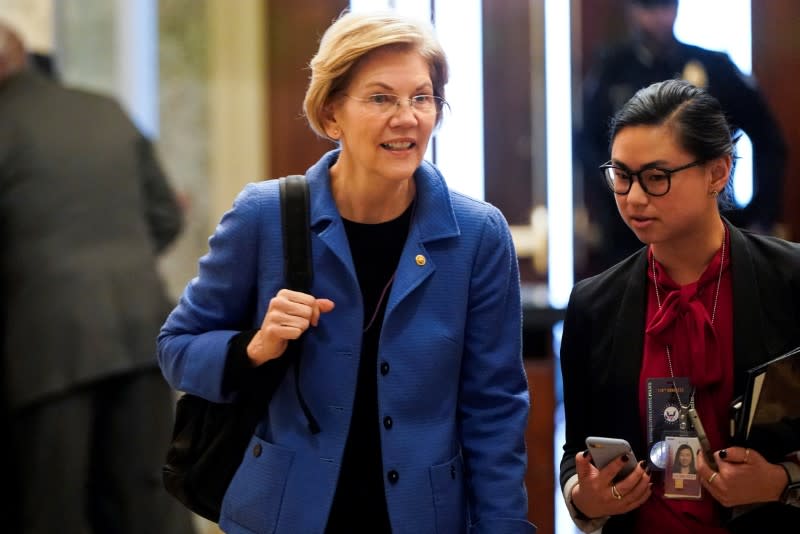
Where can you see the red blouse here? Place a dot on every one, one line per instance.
(703, 352)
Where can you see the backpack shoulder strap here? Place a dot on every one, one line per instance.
(296, 236)
(297, 263)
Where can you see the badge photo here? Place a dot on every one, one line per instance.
(680, 476)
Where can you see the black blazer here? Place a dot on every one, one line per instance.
(603, 341)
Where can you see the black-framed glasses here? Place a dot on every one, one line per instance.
(387, 104)
(655, 181)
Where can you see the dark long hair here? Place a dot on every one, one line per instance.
(676, 466)
(700, 125)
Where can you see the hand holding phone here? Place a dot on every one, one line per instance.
(604, 450)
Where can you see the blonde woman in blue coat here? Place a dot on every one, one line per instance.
(411, 362)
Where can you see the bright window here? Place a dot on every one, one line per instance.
(731, 34)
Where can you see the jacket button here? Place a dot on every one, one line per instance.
(257, 450)
(384, 368)
(420, 259)
(393, 476)
(387, 422)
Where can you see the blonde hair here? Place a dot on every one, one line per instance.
(350, 38)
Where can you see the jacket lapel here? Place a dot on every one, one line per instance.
(434, 219)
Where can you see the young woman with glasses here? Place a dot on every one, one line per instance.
(699, 304)
(412, 358)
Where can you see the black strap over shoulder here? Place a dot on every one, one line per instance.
(209, 439)
(296, 236)
(297, 263)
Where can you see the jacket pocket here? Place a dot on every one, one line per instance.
(447, 484)
(254, 497)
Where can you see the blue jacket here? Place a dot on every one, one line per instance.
(450, 371)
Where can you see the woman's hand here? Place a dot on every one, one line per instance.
(744, 477)
(290, 313)
(596, 495)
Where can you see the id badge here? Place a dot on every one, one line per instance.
(680, 473)
(666, 398)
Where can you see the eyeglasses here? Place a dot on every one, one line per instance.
(386, 104)
(655, 181)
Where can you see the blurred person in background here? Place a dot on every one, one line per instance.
(84, 211)
(651, 54)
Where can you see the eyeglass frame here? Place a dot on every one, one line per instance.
(439, 102)
(638, 175)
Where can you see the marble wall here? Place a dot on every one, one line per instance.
(184, 134)
(84, 47)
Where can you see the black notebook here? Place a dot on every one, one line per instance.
(767, 419)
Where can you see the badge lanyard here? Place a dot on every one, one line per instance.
(658, 451)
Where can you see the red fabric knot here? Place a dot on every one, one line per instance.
(684, 322)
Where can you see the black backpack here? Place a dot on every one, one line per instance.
(209, 439)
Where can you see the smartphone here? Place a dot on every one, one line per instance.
(604, 450)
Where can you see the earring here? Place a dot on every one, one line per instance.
(335, 133)
(714, 193)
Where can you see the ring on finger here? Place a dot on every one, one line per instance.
(712, 477)
(615, 492)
